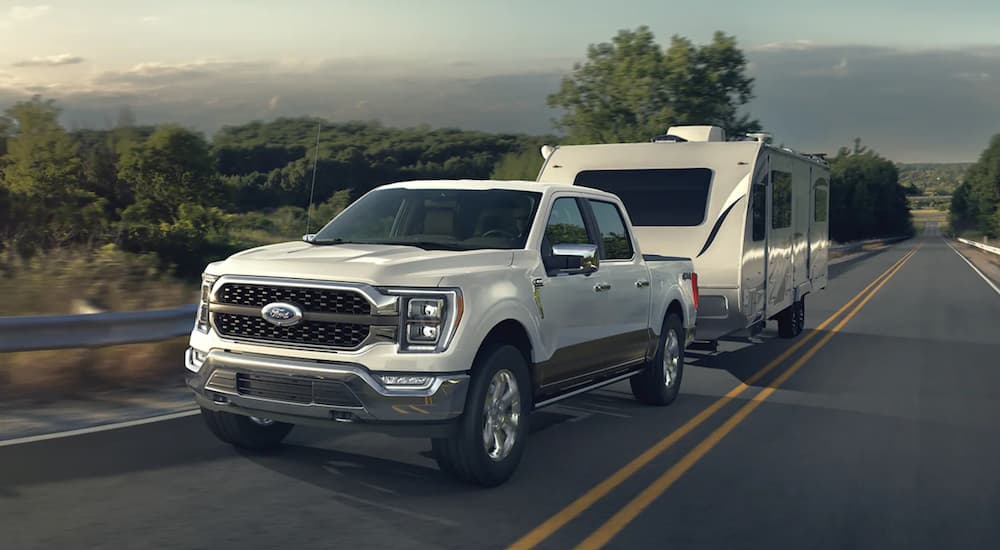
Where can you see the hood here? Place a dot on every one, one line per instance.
(360, 263)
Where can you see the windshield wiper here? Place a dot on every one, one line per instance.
(338, 240)
(427, 245)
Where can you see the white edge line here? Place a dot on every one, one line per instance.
(974, 268)
(100, 428)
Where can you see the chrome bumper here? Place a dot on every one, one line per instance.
(312, 392)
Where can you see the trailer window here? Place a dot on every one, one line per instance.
(758, 211)
(781, 199)
(821, 198)
(656, 198)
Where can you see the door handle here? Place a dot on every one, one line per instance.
(601, 287)
(641, 283)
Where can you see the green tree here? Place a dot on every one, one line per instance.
(522, 165)
(974, 205)
(867, 200)
(176, 188)
(42, 175)
(631, 89)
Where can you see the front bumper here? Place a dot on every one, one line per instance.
(319, 393)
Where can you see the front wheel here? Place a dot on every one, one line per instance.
(489, 438)
(247, 432)
(660, 380)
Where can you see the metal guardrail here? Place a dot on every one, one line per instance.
(133, 327)
(981, 246)
(97, 329)
(858, 245)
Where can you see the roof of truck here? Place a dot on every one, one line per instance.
(482, 185)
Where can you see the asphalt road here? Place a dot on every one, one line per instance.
(879, 431)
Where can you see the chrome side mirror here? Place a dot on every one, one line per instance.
(308, 237)
(573, 259)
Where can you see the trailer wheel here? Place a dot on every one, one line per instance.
(800, 315)
(786, 321)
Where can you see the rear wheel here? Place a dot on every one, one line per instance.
(259, 434)
(792, 319)
(660, 380)
(800, 316)
(489, 438)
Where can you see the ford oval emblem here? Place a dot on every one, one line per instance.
(281, 314)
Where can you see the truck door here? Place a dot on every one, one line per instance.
(570, 319)
(623, 301)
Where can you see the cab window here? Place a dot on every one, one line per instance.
(611, 226)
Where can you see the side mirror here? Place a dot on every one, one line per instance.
(308, 237)
(573, 259)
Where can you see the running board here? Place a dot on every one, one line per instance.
(586, 389)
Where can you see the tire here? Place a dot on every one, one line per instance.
(800, 315)
(786, 321)
(792, 319)
(242, 431)
(468, 455)
(652, 386)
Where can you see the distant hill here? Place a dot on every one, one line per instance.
(933, 178)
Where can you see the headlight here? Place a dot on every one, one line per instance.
(430, 318)
(207, 281)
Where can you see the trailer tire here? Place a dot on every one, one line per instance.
(800, 315)
(786, 321)
(651, 386)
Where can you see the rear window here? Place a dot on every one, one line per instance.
(656, 198)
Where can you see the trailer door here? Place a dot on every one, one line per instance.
(819, 230)
(780, 240)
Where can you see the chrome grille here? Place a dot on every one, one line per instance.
(296, 390)
(318, 300)
(313, 333)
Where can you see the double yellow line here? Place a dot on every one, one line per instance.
(623, 517)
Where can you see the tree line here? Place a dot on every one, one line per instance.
(975, 204)
(170, 191)
(167, 190)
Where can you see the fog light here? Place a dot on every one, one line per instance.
(406, 380)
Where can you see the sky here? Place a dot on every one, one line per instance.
(919, 81)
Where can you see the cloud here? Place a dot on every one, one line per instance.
(910, 105)
(981, 76)
(905, 103)
(788, 46)
(27, 13)
(50, 61)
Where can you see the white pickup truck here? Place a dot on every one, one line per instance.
(441, 309)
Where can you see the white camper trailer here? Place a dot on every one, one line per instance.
(752, 216)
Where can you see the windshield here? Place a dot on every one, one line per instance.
(656, 198)
(441, 219)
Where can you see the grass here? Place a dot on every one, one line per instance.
(85, 281)
(50, 375)
(81, 281)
